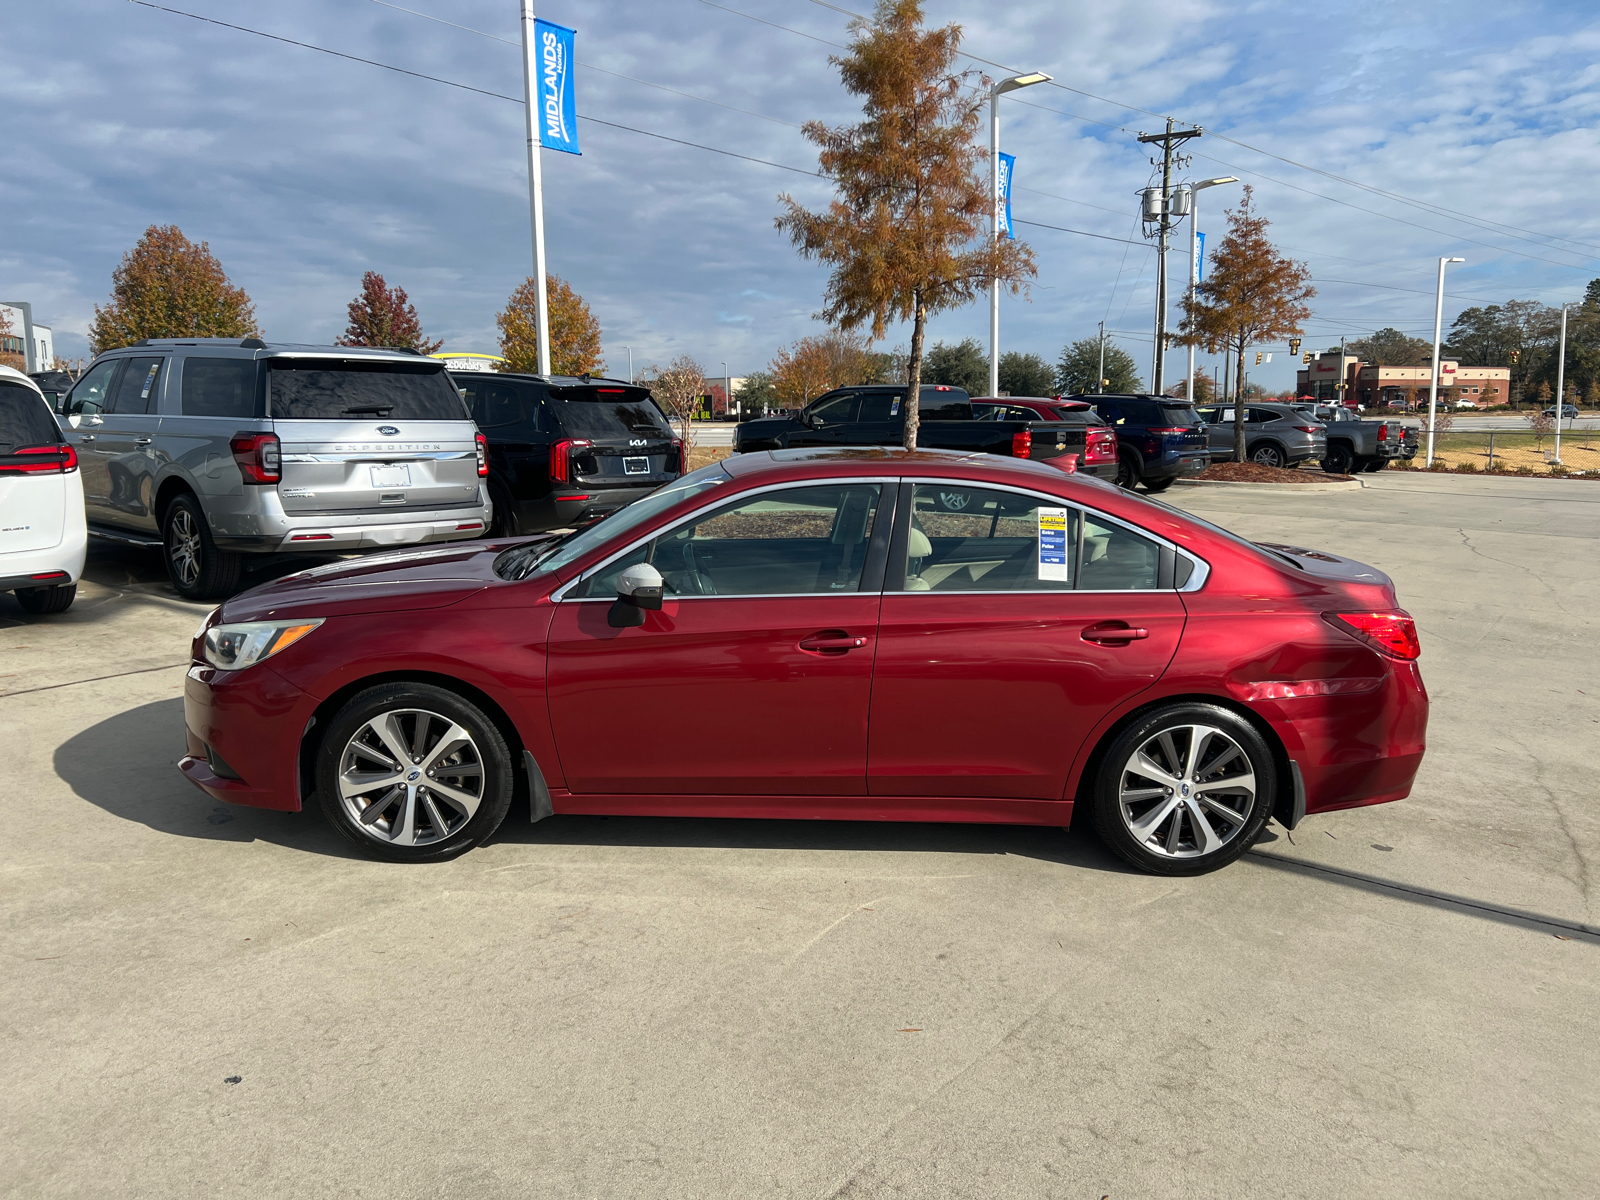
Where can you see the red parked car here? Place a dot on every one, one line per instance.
(1056, 642)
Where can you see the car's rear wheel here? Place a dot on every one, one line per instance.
(1127, 472)
(1184, 790)
(1375, 464)
(198, 570)
(1338, 460)
(45, 600)
(1158, 485)
(1267, 456)
(411, 772)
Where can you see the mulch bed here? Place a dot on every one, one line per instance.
(1249, 472)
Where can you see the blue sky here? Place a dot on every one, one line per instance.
(303, 170)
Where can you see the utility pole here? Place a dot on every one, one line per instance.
(1100, 379)
(1339, 388)
(1162, 212)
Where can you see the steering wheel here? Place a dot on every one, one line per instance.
(702, 581)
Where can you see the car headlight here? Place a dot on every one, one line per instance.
(234, 647)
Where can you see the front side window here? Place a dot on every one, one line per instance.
(93, 393)
(795, 541)
(361, 389)
(841, 410)
(219, 387)
(977, 540)
(136, 391)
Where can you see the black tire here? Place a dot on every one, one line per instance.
(45, 600)
(504, 522)
(439, 827)
(1374, 465)
(1158, 485)
(1180, 838)
(1127, 472)
(1267, 455)
(198, 570)
(1339, 460)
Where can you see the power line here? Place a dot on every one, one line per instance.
(1104, 237)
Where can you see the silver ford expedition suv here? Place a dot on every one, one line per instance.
(217, 448)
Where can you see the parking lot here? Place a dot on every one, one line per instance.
(1399, 1000)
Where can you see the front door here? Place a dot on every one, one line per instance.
(756, 674)
(126, 443)
(86, 408)
(994, 661)
(828, 422)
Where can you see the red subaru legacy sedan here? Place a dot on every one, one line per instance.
(878, 651)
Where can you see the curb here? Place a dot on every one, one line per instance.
(1333, 485)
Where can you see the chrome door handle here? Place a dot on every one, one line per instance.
(86, 437)
(832, 642)
(1113, 633)
(142, 441)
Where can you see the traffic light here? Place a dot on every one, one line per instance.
(1258, 358)
(1294, 345)
(1515, 354)
(1306, 358)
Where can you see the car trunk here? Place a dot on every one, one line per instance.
(367, 436)
(32, 485)
(616, 436)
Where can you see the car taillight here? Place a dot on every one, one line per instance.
(1309, 428)
(483, 456)
(561, 458)
(40, 460)
(682, 452)
(1101, 447)
(1383, 432)
(1171, 429)
(259, 456)
(1022, 444)
(1394, 633)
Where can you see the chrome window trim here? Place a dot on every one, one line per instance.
(559, 596)
(1199, 571)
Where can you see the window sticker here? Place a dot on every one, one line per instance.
(148, 380)
(1053, 544)
(894, 409)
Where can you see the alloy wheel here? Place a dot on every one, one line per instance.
(1187, 791)
(955, 501)
(1268, 456)
(183, 537)
(410, 777)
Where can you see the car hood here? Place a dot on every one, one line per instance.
(434, 577)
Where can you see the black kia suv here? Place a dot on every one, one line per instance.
(565, 451)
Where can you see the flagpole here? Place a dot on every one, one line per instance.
(535, 186)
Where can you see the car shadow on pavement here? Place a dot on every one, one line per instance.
(128, 765)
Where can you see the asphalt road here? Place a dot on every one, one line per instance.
(203, 1001)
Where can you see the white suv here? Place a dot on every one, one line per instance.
(43, 536)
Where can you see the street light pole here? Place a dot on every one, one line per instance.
(1194, 255)
(996, 200)
(727, 389)
(1100, 379)
(541, 303)
(1561, 380)
(1433, 383)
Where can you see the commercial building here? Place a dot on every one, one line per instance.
(34, 342)
(1373, 386)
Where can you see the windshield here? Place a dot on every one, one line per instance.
(332, 389)
(523, 562)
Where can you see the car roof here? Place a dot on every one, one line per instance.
(12, 375)
(832, 461)
(553, 380)
(262, 349)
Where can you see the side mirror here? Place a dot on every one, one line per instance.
(638, 588)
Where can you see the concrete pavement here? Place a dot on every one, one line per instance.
(1399, 1001)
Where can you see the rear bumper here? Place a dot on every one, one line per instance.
(255, 522)
(242, 730)
(1192, 462)
(17, 569)
(587, 503)
(469, 524)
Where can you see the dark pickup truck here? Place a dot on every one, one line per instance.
(874, 415)
(1358, 445)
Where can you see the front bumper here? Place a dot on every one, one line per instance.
(243, 731)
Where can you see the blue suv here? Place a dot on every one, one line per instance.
(1159, 439)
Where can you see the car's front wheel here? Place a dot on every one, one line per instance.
(45, 600)
(412, 772)
(1184, 790)
(1267, 456)
(198, 570)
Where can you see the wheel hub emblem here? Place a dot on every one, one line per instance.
(1186, 789)
(416, 775)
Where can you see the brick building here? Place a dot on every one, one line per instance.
(1376, 387)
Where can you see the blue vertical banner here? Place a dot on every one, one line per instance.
(1200, 259)
(553, 89)
(1008, 163)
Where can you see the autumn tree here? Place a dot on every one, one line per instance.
(8, 356)
(963, 364)
(678, 389)
(1251, 294)
(574, 331)
(907, 232)
(1078, 370)
(1204, 392)
(815, 365)
(168, 287)
(384, 316)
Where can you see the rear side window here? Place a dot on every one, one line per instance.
(602, 419)
(219, 387)
(25, 420)
(881, 406)
(322, 389)
(503, 409)
(976, 540)
(138, 390)
(1180, 414)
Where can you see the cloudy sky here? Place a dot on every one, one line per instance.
(1410, 131)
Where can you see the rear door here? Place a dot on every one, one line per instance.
(995, 661)
(369, 435)
(32, 502)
